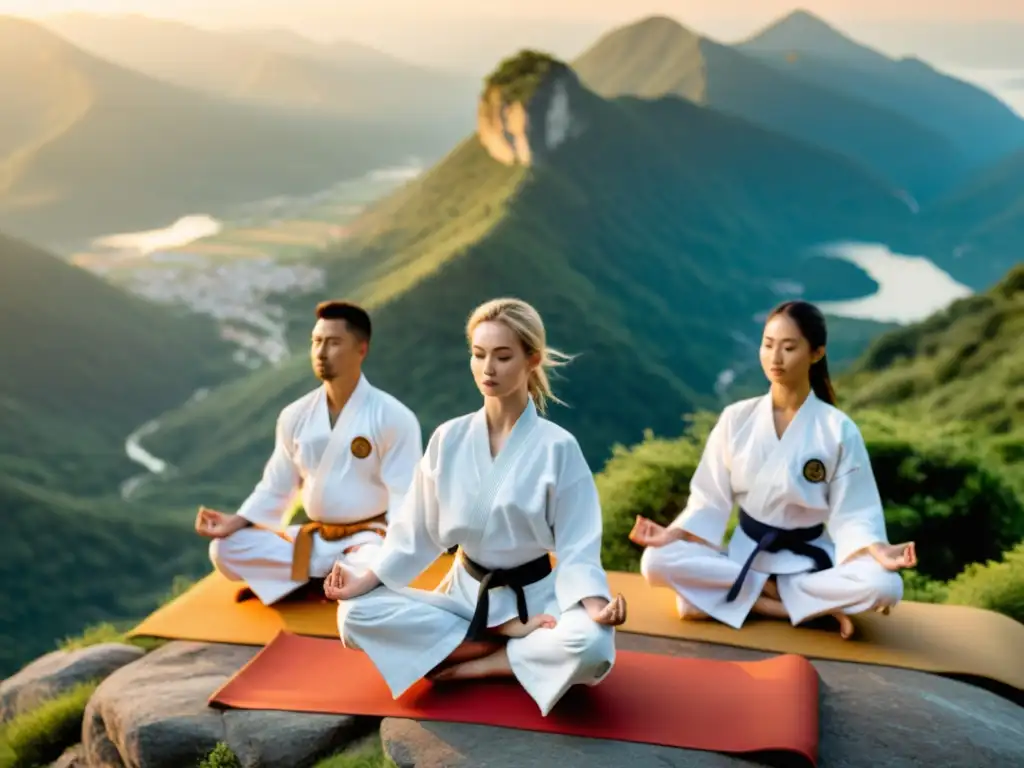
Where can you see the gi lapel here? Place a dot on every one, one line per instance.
(339, 441)
(773, 453)
(494, 473)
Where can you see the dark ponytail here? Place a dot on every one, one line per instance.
(820, 381)
(811, 322)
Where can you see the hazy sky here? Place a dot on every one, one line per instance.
(478, 30)
(696, 12)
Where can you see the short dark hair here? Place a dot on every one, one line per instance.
(355, 317)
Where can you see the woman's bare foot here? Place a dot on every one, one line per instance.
(516, 628)
(845, 625)
(467, 651)
(495, 665)
(771, 607)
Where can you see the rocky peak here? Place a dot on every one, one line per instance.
(526, 109)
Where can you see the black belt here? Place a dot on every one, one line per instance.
(516, 578)
(772, 539)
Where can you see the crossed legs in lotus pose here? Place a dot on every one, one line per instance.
(477, 659)
(866, 581)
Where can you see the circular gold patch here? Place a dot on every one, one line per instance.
(814, 471)
(361, 447)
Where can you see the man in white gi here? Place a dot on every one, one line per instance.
(350, 448)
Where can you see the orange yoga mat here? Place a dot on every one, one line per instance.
(766, 706)
(970, 643)
(212, 612)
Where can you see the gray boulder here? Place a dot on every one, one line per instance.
(55, 673)
(154, 714)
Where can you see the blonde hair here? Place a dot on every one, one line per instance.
(525, 322)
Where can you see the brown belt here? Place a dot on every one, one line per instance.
(328, 532)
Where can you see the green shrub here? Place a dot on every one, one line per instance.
(368, 754)
(365, 754)
(221, 756)
(921, 589)
(957, 509)
(997, 585)
(107, 632)
(519, 76)
(1012, 284)
(93, 635)
(651, 479)
(40, 736)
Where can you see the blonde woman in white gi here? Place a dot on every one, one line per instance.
(509, 488)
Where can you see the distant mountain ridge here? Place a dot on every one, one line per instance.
(95, 148)
(649, 233)
(977, 233)
(275, 67)
(801, 31)
(658, 57)
(980, 126)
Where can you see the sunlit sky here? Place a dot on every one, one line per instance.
(365, 12)
(607, 9)
(424, 28)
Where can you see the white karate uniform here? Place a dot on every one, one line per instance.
(745, 463)
(337, 486)
(538, 496)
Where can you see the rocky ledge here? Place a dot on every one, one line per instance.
(529, 108)
(148, 710)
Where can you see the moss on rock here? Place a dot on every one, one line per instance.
(40, 736)
(519, 76)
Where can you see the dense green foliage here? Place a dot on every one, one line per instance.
(519, 76)
(996, 585)
(68, 563)
(39, 736)
(648, 244)
(649, 479)
(221, 756)
(956, 508)
(657, 57)
(85, 364)
(369, 754)
(961, 369)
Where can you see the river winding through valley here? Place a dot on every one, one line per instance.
(232, 270)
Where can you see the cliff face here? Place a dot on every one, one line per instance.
(527, 110)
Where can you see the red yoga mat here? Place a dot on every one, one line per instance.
(719, 706)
